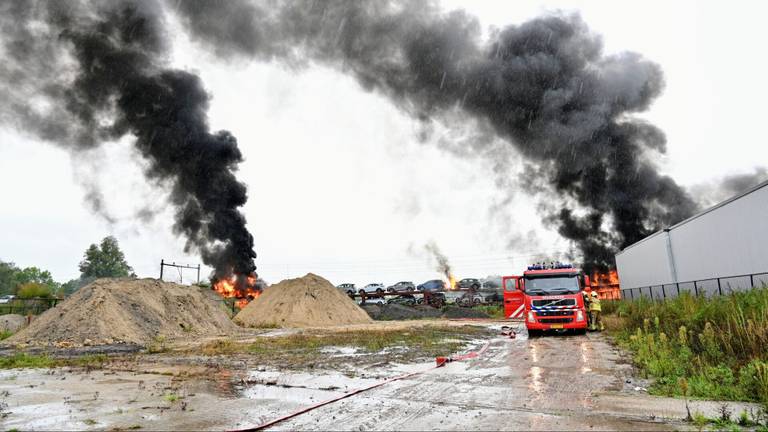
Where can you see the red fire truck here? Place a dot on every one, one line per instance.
(547, 297)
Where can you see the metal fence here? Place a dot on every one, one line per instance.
(33, 306)
(706, 287)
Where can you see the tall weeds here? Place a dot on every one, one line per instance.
(713, 348)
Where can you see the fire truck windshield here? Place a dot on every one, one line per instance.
(549, 285)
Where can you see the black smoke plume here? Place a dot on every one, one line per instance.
(79, 75)
(443, 265)
(545, 86)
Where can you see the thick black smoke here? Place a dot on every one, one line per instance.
(80, 75)
(443, 265)
(545, 86)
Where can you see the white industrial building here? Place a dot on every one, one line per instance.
(721, 249)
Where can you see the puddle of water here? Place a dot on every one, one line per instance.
(263, 392)
(324, 382)
(341, 351)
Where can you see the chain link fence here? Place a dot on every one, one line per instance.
(706, 287)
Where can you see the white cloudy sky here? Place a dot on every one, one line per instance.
(339, 184)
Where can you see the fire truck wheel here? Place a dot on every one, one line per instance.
(534, 333)
(580, 331)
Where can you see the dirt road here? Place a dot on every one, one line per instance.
(565, 383)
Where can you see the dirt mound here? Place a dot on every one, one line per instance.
(138, 311)
(309, 301)
(12, 322)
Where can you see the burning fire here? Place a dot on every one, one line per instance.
(606, 284)
(608, 278)
(451, 281)
(228, 288)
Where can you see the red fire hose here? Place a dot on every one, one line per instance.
(439, 362)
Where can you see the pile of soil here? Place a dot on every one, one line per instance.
(136, 311)
(388, 312)
(12, 322)
(309, 301)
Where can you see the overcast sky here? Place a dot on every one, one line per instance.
(340, 185)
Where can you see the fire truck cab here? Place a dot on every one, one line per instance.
(547, 297)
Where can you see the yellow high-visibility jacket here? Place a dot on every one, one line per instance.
(594, 304)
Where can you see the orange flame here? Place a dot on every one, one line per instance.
(606, 284)
(227, 288)
(451, 281)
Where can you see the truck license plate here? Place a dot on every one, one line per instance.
(556, 326)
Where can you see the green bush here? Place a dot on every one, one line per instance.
(716, 346)
(33, 290)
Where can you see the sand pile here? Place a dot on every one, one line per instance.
(139, 311)
(309, 301)
(12, 322)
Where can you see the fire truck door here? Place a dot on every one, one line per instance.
(514, 298)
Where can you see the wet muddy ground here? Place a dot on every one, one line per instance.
(566, 383)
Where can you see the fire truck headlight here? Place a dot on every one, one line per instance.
(531, 319)
(579, 316)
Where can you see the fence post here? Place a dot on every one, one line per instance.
(162, 264)
(678, 288)
(663, 291)
(650, 292)
(695, 288)
(752, 281)
(719, 288)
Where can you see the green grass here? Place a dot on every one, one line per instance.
(5, 334)
(23, 360)
(494, 311)
(300, 349)
(423, 339)
(694, 346)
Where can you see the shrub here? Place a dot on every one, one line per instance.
(715, 345)
(32, 290)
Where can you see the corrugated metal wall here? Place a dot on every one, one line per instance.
(728, 240)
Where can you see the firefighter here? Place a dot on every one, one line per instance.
(595, 320)
(585, 296)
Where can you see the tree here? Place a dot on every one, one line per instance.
(68, 288)
(35, 275)
(12, 278)
(105, 260)
(8, 281)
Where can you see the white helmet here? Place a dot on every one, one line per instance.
(594, 293)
